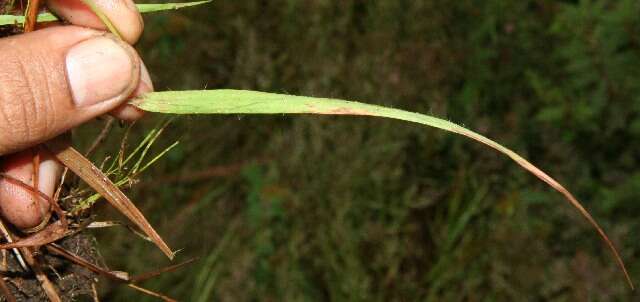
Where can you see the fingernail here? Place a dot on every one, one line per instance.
(131, 32)
(129, 113)
(145, 80)
(131, 5)
(49, 175)
(100, 70)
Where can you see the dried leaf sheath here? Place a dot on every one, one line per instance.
(103, 185)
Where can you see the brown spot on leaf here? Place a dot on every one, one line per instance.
(339, 111)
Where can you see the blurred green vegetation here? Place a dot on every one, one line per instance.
(359, 209)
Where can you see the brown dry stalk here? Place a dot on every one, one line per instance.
(101, 136)
(151, 293)
(153, 274)
(31, 15)
(50, 233)
(9, 237)
(94, 291)
(118, 276)
(58, 250)
(47, 286)
(204, 174)
(5, 290)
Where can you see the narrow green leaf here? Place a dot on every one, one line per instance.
(143, 8)
(103, 18)
(227, 101)
(16, 20)
(156, 7)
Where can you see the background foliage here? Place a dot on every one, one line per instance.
(361, 209)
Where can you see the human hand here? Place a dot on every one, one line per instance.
(54, 79)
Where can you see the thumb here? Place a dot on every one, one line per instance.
(54, 79)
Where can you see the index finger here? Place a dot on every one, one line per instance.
(123, 14)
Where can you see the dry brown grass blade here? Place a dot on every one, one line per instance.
(108, 224)
(94, 292)
(101, 136)
(51, 233)
(47, 286)
(82, 167)
(36, 174)
(117, 276)
(149, 275)
(9, 237)
(5, 291)
(31, 15)
(562, 190)
(58, 250)
(204, 174)
(151, 293)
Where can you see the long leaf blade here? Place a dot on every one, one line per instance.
(156, 7)
(229, 101)
(143, 8)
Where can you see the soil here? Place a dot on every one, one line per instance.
(73, 282)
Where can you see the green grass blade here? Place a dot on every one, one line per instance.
(143, 8)
(15, 20)
(157, 157)
(156, 7)
(103, 18)
(227, 101)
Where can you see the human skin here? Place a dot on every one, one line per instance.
(54, 79)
